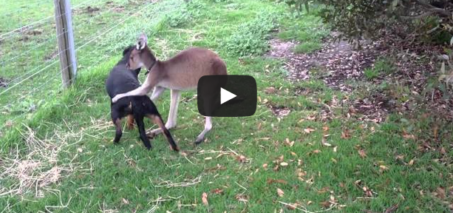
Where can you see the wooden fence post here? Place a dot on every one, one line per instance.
(65, 37)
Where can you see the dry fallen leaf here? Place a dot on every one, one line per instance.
(311, 118)
(284, 164)
(292, 206)
(408, 136)
(383, 168)
(392, 209)
(280, 192)
(270, 181)
(324, 142)
(217, 191)
(125, 201)
(325, 204)
(242, 198)
(241, 159)
(316, 151)
(362, 153)
(204, 198)
(411, 162)
(345, 134)
(440, 193)
(270, 90)
(309, 130)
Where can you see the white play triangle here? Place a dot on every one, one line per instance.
(225, 95)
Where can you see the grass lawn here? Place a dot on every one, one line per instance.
(61, 157)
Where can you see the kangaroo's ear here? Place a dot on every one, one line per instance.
(142, 41)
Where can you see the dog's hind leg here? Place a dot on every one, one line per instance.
(141, 129)
(130, 122)
(117, 122)
(157, 119)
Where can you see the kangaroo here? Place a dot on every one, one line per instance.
(178, 73)
(121, 80)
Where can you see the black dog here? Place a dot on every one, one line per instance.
(123, 80)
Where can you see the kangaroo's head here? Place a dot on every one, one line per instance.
(141, 55)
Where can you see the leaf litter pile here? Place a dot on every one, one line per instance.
(403, 88)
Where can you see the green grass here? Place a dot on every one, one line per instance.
(307, 47)
(308, 31)
(381, 66)
(313, 160)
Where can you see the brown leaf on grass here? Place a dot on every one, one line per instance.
(324, 142)
(242, 198)
(368, 192)
(440, 193)
(317, 151)
(411, 162)
(325, 129)
(270, 181)
(241, 159)
(270, 90)
(289, 143)
(309, 130)
(345, 134)
(9, 123)
(284, 164)
(311, 118)
(392, 209)
(325, 204)
(323, 190)
(265, 166)
(362, 153)
(383, 168)
(217, 191)
(300, 173)
(125, 201)
(204, 198)
(292, 206)
(442, 151)
(408, 136)
(280, 192)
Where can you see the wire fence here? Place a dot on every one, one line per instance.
(30, 74)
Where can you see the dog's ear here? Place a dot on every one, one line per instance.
(128, 49)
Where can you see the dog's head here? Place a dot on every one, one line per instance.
(126, 55)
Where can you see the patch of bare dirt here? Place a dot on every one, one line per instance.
(339, 63)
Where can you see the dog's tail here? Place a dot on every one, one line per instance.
(157, 119)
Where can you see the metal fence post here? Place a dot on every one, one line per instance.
(65, 37)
